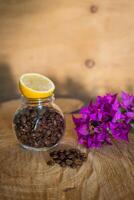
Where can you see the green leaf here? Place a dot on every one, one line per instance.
(132, 130)
(122, 110)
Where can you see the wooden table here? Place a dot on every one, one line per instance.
(24, 175)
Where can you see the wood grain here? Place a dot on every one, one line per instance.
(57, 37)
(24, 175)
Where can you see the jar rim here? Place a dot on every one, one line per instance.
(37, 100)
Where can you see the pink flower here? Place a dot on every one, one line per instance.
(103, 119)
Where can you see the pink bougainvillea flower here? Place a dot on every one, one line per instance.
(127, 103)
(103, 119)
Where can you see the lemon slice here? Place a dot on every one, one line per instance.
(33, 86)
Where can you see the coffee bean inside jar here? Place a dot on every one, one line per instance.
(39, 127)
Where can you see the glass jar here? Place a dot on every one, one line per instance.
(39, 124)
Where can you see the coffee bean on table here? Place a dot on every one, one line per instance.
(71, 156)
(78, 162)
(69, 162)
(62, 164)
(62, 156)
(43, 127)
(58, 161)
(55, 157)
(83, 157)
(68, 157)
(50, 162)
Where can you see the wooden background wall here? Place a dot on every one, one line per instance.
(85, 46)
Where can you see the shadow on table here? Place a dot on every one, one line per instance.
(8, 88)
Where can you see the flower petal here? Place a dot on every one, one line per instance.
(83, 129)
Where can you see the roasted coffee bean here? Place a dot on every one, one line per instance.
(74, 151)
(61, 152)
(68, 157)
(50, 162)
(71, 156)
(45, 125)
(33, 114)
(23, 119)
(24, 137)
(62, 156)
(58, 161)
(48, 133)
(55, 156)
(62, 164)
(69, 162)
(55, 123)
(73, 165)
(78, 162)
(67, 153)
(52, 153)
(83, 157)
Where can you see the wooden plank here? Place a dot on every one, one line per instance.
(24, 175)
(56, 38)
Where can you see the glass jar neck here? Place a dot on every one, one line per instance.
(34, 102)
